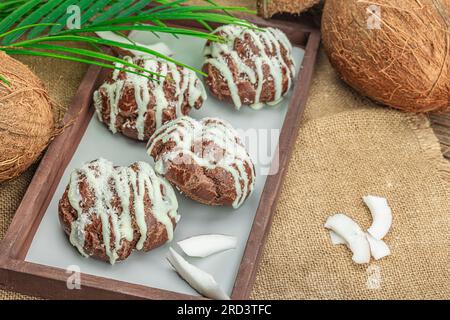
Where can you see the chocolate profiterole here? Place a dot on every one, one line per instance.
(205, 160)
(252, 67)
(109, 211)
(136, 106)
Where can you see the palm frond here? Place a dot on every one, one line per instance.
(195, 13)
(177, 3)
(165, 4)
(24, 28)
(4, 80)
(31, 27)
(7, 5)
(100, 41)
(93, 10)
(31, 20)
(82, 4)
(88, 54)
(133, 9)
(51, 16)
(12, 19)
(112, 11)
(72, 58)
(151, 28)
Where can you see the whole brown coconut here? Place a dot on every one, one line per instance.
(26, 120)
(397, 52)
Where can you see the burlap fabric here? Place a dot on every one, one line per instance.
(347, 148)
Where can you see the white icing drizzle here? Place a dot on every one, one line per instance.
(271, 38)
(187, 132)
(101, 178)
(184, 80)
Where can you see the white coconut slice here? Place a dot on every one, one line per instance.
(355, 238)
(378, 248)
(206, 245)
(381, 215)
(336, 240)
(159, 47)
(198, 279)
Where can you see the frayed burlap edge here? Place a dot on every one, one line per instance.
(429, 143)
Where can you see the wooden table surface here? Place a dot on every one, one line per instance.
(441, 126)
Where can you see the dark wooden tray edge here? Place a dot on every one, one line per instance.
(29, 278)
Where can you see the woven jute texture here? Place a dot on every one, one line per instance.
(347, 148)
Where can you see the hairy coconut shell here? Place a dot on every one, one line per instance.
(27, 122)
(405, 63)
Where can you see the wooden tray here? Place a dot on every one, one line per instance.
(440, 123)
(16, 274)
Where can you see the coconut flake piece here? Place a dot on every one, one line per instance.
(381, 215)
(336, 239)
(355, 238)
(198, 279)
(206, 245)
(378, 248)
(158, 47)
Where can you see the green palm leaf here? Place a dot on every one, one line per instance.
(134, 9)
(12, 19)
(31, 19)
(176, 4)
(170, 16)
(27, 27)
(165, 4)
(24, 28)
(156, 29)
(113, 11)
(99, 41)
(94, 9)
(82, 4)
(7, 5)
(72, 58)
(90, 54)
(51, 17)
(4, 80)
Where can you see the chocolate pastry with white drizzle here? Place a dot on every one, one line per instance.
(109, 211)
(252, 67)
(136, 106)
(204, 159)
